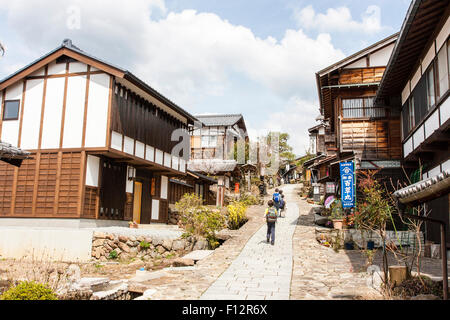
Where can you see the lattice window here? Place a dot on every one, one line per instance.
(6, 184)
(46, 191)
(70, 179)
(25, 188)
(361, 108)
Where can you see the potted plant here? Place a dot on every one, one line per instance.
(348, 241)
(133, 225)
(337, 215)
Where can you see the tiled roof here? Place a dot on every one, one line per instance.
(425, 189)
(8, 151)
(211, 166)
(67, 43)
(219, 119)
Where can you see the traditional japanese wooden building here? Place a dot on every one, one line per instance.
(416, 82)
(218, 149)
(358, 130)
(99, 138)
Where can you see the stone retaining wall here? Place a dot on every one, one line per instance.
(128, 247)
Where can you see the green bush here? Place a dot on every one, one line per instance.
(144, 245)
(113, 255)
(249, 199)
(200, 220)
(29, 291)
(236, 215)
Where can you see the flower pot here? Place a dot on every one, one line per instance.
(349, 246)
(338, 224)
(370, 245)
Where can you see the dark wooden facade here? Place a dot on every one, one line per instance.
(358, 129)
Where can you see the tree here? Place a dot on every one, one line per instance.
(2, 49)
(285, 150)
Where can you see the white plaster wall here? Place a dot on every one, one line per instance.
(128, 145)
(54, 98)
(164, 187)
(10, 128)
(77, 67)
(407, 147)
(443, 34)
(406, 92)
(167, 160)
(159, 156)
(48, 244)
(431, 53)
(415, 79)
(419, 137)
(381, 57)
(361, 63)
(40, 72)
(155, 209)
(434, 172)
(32, 114)
(446, 165)
(92, 171)
(182, 165)
(56, 68)
(97, 110)
(432, 124)
(75, 101)
(116, 141)
(140, 150)
(175, 162)
(150, 153)
(445, 110)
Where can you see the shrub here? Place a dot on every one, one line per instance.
(236, 215)
(29, 291)
(337, 212)
(249, 199)
(144, 245)
(113, 255)
(200, 220)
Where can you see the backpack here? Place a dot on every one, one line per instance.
(272, 215)
(276, 197)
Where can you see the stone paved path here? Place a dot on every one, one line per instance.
(320, 273)
(261, 271)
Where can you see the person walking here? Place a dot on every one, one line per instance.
(277, 199)
(271, 215)
(282, 206)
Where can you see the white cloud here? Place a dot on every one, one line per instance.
(295, 119)
(340, 20)
(185, 55)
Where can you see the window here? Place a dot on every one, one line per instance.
(411, 119)
(209, 141)
(361, 108)
(11, 111)
(430, 87)
(442, 72)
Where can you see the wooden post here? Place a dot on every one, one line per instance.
(397, 274)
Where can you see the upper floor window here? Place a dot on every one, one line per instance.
(442, 71)
(361, 108)
(11, 111)
(430, 87)
(209, 141)
(209, 137)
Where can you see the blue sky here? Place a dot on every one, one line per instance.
(255, 57)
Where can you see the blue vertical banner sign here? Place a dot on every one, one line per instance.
(347, 184)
